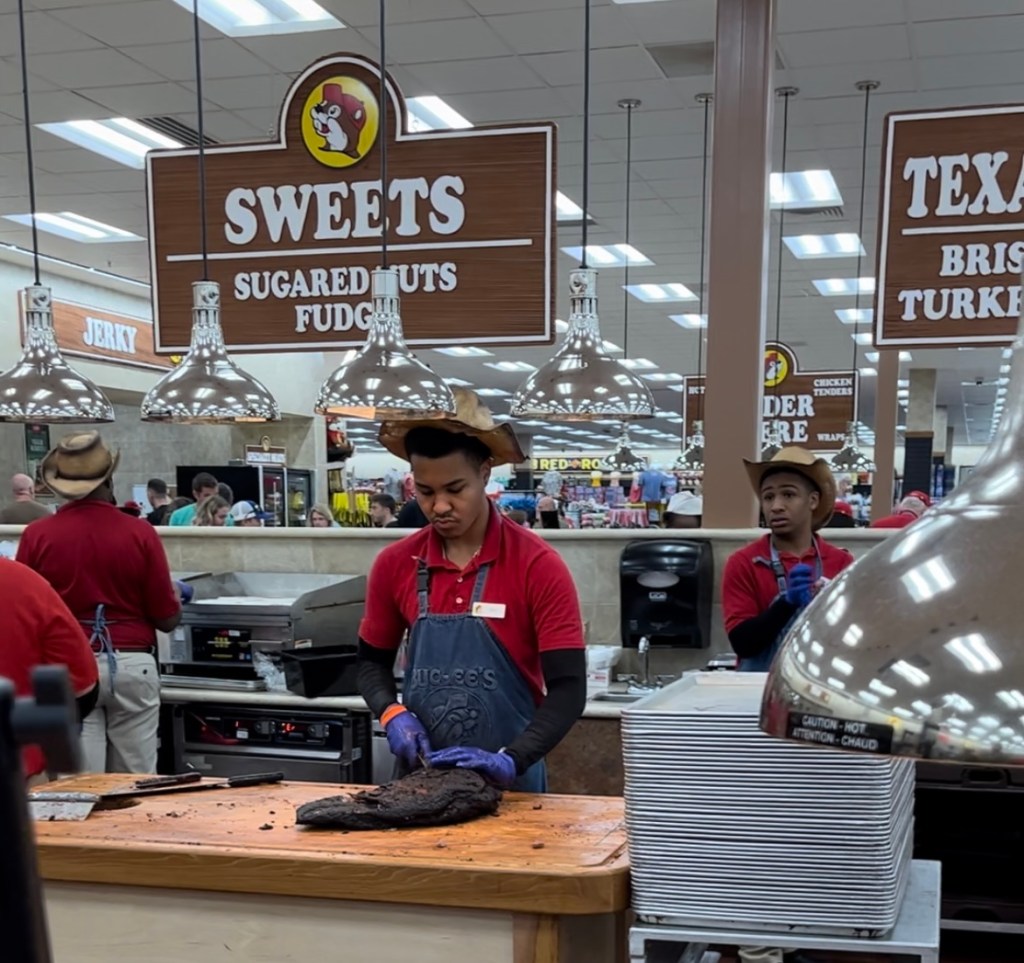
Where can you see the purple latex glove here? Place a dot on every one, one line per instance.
(185, 591)
(800, 585)
(407, 739)
(497, 767)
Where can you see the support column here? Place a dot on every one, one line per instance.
(886, 413)
(917, 462)
(738, 256)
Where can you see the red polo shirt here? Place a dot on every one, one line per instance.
(526, 575)
(898, 520)
(749, 586)
(36, 628)
(92, 553)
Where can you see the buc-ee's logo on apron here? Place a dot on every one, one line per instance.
(340, 121)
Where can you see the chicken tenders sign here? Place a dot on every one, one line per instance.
(294, 226)
(951, 238)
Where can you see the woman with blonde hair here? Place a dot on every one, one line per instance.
(212, 512)
(320, 517)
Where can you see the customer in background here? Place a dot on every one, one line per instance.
(320, 517)
(225, 491)
(248, 515)
(203, 486)
(411, 516)
(212, 512)
(842, 516)
(36, 628)
(111, 572)
(159, 500)
(382, 511)
(23, 507)
(547, 511)
(909, 510)
(685, 510)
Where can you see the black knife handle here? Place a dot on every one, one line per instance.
(255, 779)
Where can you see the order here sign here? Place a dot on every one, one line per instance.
(951, 227)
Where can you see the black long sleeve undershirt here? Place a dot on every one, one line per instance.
(86, 702)
(757, 634)
(565, 678)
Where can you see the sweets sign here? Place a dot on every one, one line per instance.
(810, 408)
(951, 241)
(294, 225)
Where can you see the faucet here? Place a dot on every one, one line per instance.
(644, 651)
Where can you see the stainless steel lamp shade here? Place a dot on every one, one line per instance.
(208, 387)
(582, 382)
(916, 650)
(42, 386)
(692, 459)
(624, 458)
(850, 458)
(385, 380)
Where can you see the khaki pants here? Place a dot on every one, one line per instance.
(120, 734)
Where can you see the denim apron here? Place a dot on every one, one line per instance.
(762, 662)
(462, 685)
(101, 642)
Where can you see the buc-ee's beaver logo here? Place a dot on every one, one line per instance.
(776, 368)
(340, 121)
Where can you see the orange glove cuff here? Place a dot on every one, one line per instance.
(395, 709)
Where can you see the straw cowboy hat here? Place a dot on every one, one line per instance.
(78, 465)
(802, 462)
(471, 418)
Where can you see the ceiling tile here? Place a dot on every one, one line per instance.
(851, 45)
(121, 25)
(234, 93)
(497, 106)
(142, 100)
(292, 53)
(997, 69)
(958, 10)
(608, 64)
(474, 76)
(671, 23)
(222, 57)
(54, 105)
(92, 68)
(443, 40)
(44, 34)
(553, 30)
(365, 13)
(940, 38)
(797, 16)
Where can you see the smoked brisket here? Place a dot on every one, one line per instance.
(427, 797)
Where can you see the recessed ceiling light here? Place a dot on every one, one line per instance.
(833, 287)
(119, 138)
(567, 209)
(76, 227)
(868, 372)
(678, 388)
(637, 364)
(510, 366)
(871, 357)
(864, 337)
(906, 356)
(805, 246)
(663, 376)
(855, 315)
(465, 352)
(493, 392)
(690, 320)
(608, 255)
(457, 382)
(249, 18)
(611, 348)
(1007, 353)
(800, 190)
(660, 292)
(432, 113)
(903, 383)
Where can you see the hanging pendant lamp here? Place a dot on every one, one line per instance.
(624, 458)
(207, 388)
(915, 650)
(692, 459)
(42, 386)
(384, 380)
(582, 382)
(850, 458)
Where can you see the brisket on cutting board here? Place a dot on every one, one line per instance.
(427, 797)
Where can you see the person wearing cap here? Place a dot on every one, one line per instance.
(842, 516)
(496, 670)
(768, 582)
(909, 510)
(248, 515)
(112, 574)
(684, 510)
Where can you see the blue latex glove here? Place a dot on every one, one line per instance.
(185, 590)
(407, 739)
(497, 767)
(800, 585)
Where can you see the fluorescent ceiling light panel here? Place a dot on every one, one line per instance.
(510, 366)
(457, 382)
(803, 190)
(609, 255)
(561, 326)
(119, 138)
(871, 356)
(837, 287)
(75, 227)
(637, 364)
(493, 392)
(465, 352)
(855, 315)
(432, 113)
(864, 337)
(868, 372)
(807, 246)
(690, 320)
(567, 209)
(663, 376)
(650, 293)
(253, 18)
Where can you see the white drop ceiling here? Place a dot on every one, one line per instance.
(509, 60)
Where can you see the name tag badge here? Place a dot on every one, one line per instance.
(489, 610)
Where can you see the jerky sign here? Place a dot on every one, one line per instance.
(951, 237)
(809, 408)
(294, 226)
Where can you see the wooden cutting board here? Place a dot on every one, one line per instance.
(542, 854)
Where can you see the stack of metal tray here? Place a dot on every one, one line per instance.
(730, 827)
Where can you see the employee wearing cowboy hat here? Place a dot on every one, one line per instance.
(769, 581)
(496, 672)
(112, 574)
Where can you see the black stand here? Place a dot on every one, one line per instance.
(49, 720)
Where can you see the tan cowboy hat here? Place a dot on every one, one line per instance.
(815, 470)
(471, 418)
(78, 465)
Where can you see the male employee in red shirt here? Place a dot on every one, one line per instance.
(112, 574)
(496, 671)
(36, 629)
(909, 510)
